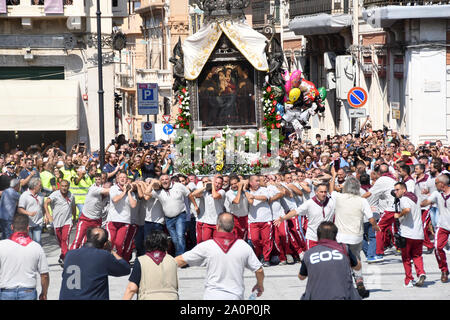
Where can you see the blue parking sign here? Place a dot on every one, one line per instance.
(148, 101)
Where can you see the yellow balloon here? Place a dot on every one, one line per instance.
(294, 94)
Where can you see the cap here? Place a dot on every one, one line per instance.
(406, 153)
(60, 164)
(11, 164)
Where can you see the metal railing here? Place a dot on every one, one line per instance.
(369, 3)
(162, 77)
(311, 7)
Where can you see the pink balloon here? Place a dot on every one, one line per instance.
(287, 86)
(296, 78)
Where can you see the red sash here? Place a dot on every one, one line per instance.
(425, 178)
(320, 204)
(157, 256)
(411, 196)
(390, 175)
(445, 198)
(225, 240)
(366, 187)
(333, 245)
(21, 238)
(407, 179)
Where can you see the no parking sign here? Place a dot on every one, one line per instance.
(148, 132)
(357, 97)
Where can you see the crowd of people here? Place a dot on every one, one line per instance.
(383, 193)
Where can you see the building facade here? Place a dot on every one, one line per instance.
(48, 68)
(397, 51)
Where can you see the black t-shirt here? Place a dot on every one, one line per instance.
(329, 274)
(148, 171)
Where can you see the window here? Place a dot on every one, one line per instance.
(166, 106)
(115, 3)
(12, 2)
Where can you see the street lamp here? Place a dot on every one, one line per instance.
(100, 88)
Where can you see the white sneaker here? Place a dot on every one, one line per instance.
(410, 284)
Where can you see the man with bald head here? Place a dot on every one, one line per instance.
(86, 270)
(226, 258)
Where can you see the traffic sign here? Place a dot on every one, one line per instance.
(147, 98)
(166, 118)
(357, 113)
(168, 129)
(129, 120)
(357, 97)
(148, 132)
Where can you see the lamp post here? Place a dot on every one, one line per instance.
(100, 88)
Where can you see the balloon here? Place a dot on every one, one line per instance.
(280, 109)
(296, 78)
(322, 93)
(286, 76)
(294, 94)
(287, 86)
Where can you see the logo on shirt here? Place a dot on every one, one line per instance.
(325, 256)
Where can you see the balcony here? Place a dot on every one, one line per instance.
(162, 77)
(380, 3)
(125, 81)
(35, 8)
(311, 7)
(262, 11)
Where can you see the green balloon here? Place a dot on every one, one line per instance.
(322, 93)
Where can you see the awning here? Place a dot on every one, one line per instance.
(386, 16)
(39, 105)
(320, 24)
(198, 47)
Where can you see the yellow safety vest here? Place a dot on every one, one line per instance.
(68, 174)
(46, 176)
(80, 190)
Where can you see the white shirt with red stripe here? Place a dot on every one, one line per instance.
(443, 203)
(381, 192)
(210, 208)
(277, 208)
(61, 208)
(316, 215)
(260, 210)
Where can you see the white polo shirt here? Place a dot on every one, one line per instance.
(120, 211)
(61, 208)
(410, 185)
(172, 200)
(316, 215)
(94, 203)
(411, 224)
(153, 211)
(260, 211)
(444, 211)
(277, 208)
(210, 208)
(20, 265)
(224, 271)
(33, 204)
(238, 210)
(287, 202)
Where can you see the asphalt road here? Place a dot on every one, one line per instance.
(384, 280)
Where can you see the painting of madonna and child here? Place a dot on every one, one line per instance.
(226, 95)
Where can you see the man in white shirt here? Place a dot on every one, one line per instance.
(441, 197)
(281, 233)
(381, 193)
(21, 259)
(318, 209)
(226, 258)
(212, 199)
(420, 189)
(410, 218)
(350, 211)
(122, 200)
(236, 203)
(404, 173)
(171, 196)
(31, 203)
(64, 211)
(260, 219)
(96, 200)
